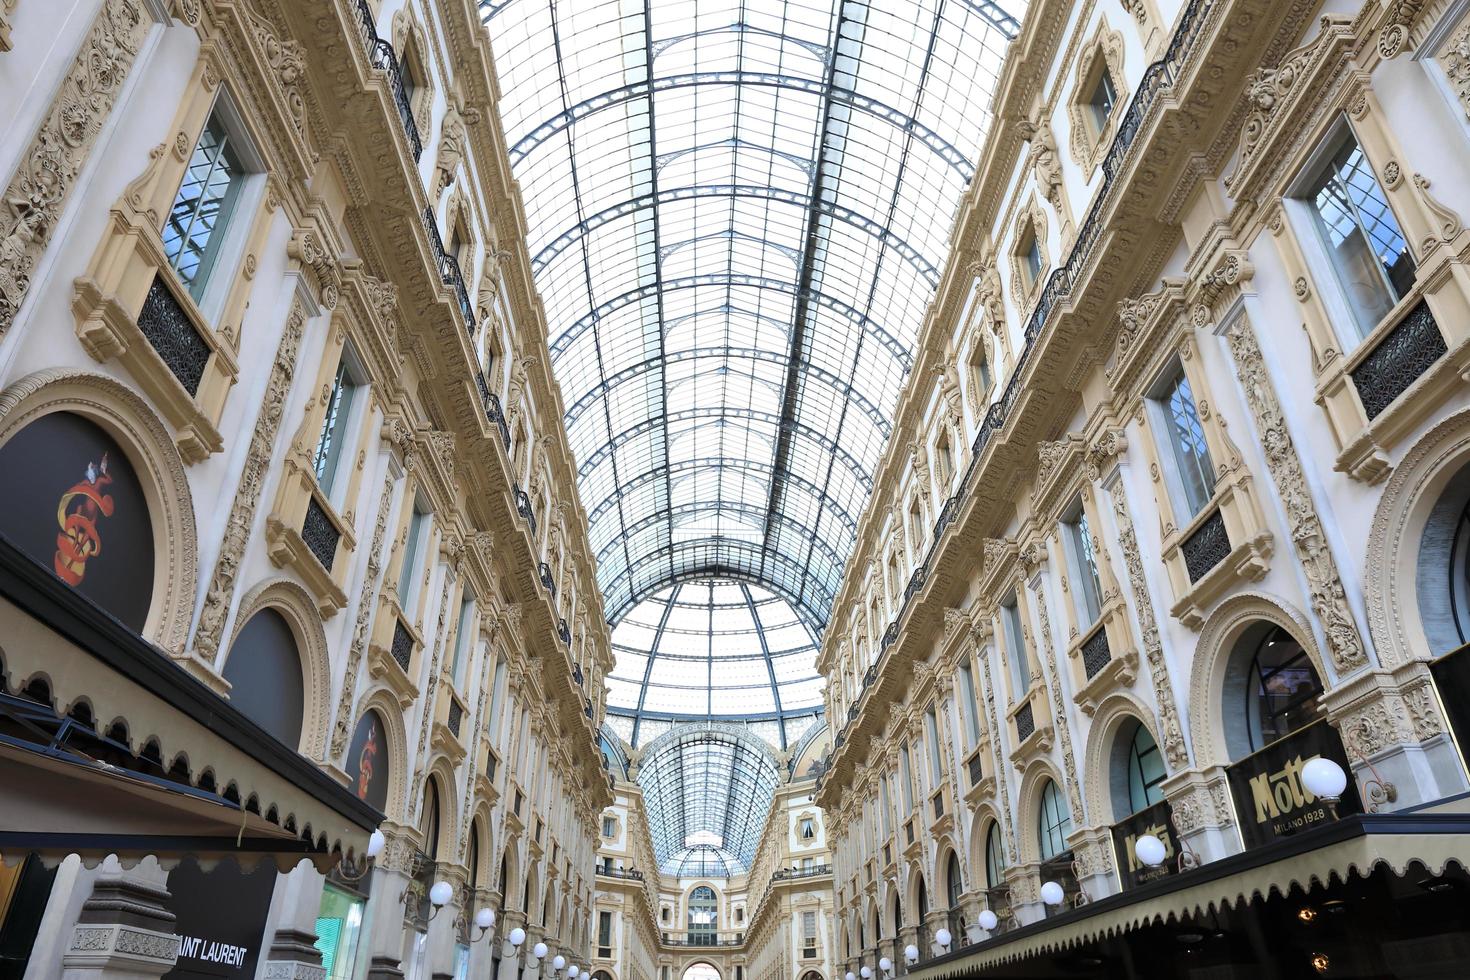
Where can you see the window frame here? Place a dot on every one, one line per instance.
(1327, 274)
(415, 545)
(1083, 565)
(1158, 400)
(227, 240)
(1053, 821)
(1018, 660)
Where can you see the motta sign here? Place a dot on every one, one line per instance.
(1270, 800)
(1151, 820)
(220, 920)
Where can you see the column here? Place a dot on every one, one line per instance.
(124, 932)
(292, 954)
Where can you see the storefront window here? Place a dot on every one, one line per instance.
(1283, 689)
(338, 929)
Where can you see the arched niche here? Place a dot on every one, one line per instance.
(370, 760)
(139, 562)
(277, 665)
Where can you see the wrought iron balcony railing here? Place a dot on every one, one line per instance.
(380, 55)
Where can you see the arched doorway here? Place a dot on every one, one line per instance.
(701, 971)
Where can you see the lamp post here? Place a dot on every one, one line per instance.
(886, 965)
(943, 938)
(988, 920)
(484, 921)
(1325, 780)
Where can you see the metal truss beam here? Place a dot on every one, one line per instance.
(657, 198)
(766, 652)
(900, 352)
(758, 514)
(903, 122)
(625, 489)
(848, 393)
(720, 411)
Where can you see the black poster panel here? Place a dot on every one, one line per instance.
(1452, 677)
(220, 918)
(1270, 800)
(1150, 820)
(367, 761)
(70, 499)
(264, 671)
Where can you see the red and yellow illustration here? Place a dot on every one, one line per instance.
(78, 512)
(365, 763)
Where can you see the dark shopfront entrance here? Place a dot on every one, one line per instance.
(1297, 908)
(1383, 926)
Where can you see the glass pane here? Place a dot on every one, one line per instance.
(1187, 444)
(1145, 771)
(1284, 688)
(338, 927)
(202, 206)
(736, 247)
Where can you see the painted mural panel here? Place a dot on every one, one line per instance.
(71, 500)
(367, 761)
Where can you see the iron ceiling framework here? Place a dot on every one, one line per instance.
(738, 211)
(715, 649)
(707, 779)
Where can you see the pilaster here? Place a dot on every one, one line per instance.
(1203, 816)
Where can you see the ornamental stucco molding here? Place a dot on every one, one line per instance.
(1304, 526)
(362, 623)
(217, 599)
(1170, 730)
(31, 206)
(1059, 707)
(1454, 59)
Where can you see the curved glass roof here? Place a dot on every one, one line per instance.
(706, 790)
(738, 211)
(716, 648)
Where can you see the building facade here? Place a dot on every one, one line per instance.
(1171, 504)
(704, 909)
(292, 553)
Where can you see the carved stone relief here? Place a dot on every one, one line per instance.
(1329, 600)
(31, 205)
(247, 498)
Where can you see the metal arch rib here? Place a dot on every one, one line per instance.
(901, 121)
(719, 506)
(834, 448)
(770, 666)
(726, 462)
(988, 9)
(880, 421)
(648, 668)
(813, 204)
(827, 301)
(813, 609)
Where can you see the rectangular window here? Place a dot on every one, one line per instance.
(1184, 445)
(1104, 98)
(604, 931)
(887, 807)
(332, 445)
(496, 686)
(1360, 235)
(931, 735)
(906, 778)
(972, 704)
(413, 547)
(609, 826)
(1010, 618)
(202, 209)
(808, 828)
(462, 639)
(1088, 592)
(1031, 257)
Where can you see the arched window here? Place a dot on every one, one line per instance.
(954, 881)
(266, 680)
(1054, 822)
(1282, 689)
(923, 901)
(475, 854)
(1145, 770)
(429, 823)
(703, 910)
(995, 857)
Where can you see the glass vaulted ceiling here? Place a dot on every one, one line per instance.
(737, 213)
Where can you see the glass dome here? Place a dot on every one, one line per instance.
(714, 649)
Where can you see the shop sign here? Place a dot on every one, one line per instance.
(221, 917)
(1270, 801)
(1151, 820)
